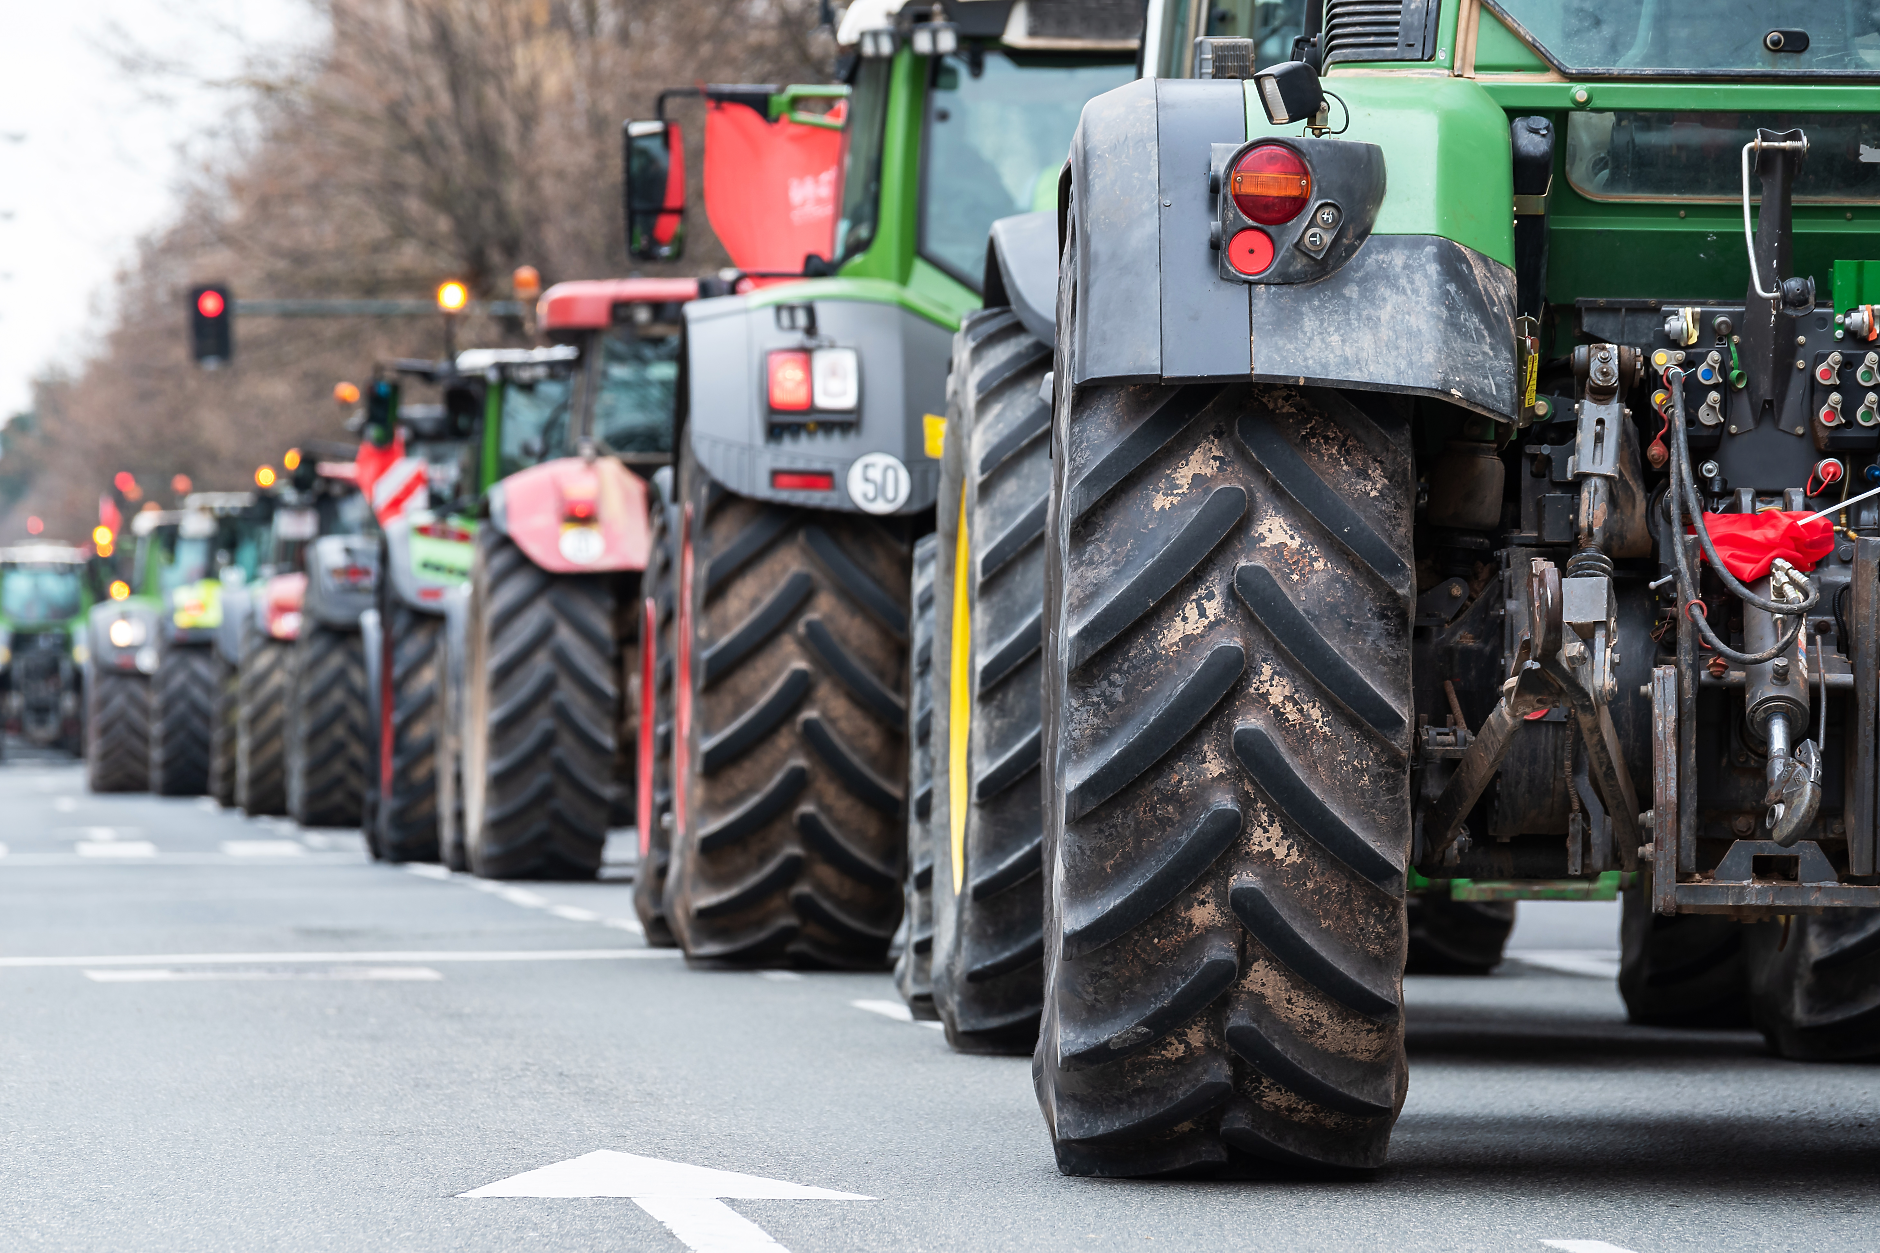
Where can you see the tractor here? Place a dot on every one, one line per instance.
(151, 684)
(301, 734)
(1462, 438)
(45, 595)
(809, 469)
(540, 665)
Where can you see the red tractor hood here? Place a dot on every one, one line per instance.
(603, 502)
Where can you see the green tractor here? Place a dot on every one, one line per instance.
(45, 594)
(152, 684)
(809, 469)
(1455, 480)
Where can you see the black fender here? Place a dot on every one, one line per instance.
(1415, 314)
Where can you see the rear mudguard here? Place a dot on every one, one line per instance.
(1415, 313)
(424, 561)
(534, 507)
(139, 653)
(342, 579)
(903, 379)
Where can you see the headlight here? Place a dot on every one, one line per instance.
(125, 633)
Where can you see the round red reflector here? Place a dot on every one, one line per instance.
(210, 304)
(1271, 184)
(1250, 252)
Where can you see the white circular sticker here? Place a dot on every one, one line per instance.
(879, 483)
(582, 545)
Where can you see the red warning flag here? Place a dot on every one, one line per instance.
(770, 187)
(1749, 543)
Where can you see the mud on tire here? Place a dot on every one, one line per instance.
(182, 719)
(543, 718)
(662, 588)
(327, 728)
(913, 969)
(406, 812)
(790, 837)
(995, 483)
(117, 732)
(1227, 725)
(1451, 937)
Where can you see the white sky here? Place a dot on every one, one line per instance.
(89, 158)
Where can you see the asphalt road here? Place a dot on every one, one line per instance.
(218, 1033)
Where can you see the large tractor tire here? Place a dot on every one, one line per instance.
(1814, 987)
(1686, 970)
(662, 592)
(327, 728)
(1227, 729)
(1451, 937)
(995, 484)
(265, 682)
(913, 969)
(406, 812)
(543, 715)
(117, 726)
(223, 733)
(790, 837)
(182, 720)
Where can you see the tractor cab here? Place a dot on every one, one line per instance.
(44, 595)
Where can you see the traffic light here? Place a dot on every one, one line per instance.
(211, 324)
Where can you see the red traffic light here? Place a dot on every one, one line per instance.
(210, 303)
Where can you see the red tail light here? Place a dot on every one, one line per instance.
(580, 509)
(790, 390)
(802, 481)
(1271, 184)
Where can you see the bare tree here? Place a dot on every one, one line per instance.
(422, 139)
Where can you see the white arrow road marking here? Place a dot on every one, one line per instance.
(688, 1200)
(895, 1010)
(1584, 1246)
(375, 974)
(334, 959)
(1594, 963)
(264, 848)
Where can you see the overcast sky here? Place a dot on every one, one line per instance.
(90, 155)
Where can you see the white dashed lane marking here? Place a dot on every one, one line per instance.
(523, 897)
(264, 848)
(115, 848)
(375, 974)
(1584, 1246)
(895, 1010)
(1592, 963)
(428, 958)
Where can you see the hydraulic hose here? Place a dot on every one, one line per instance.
(1684, 489)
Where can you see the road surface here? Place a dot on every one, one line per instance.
(223, 1033)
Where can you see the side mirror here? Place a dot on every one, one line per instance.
(1290, 92)
(382, 413)
(653, 161)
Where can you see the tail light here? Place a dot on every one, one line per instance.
(802, 481)
(580, 498)
(790, 387)
(1271, 184)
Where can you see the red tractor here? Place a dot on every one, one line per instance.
(542, 685)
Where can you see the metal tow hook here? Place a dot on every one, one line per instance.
(1794, 794)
